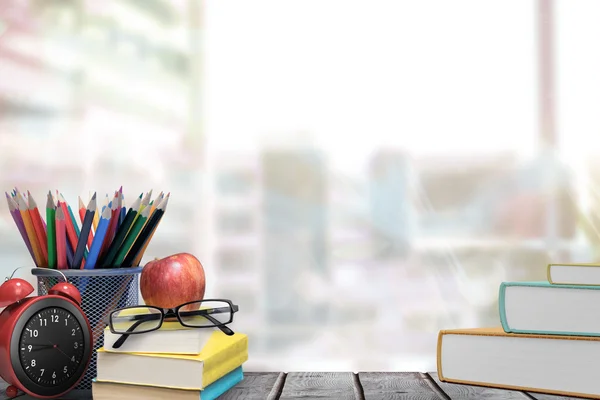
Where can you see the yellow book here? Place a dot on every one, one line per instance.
(553, 364)
(220, 355)
(574, 274)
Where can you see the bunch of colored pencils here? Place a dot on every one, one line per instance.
(110, 236)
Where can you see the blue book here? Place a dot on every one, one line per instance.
(115, 391)
(547, 309)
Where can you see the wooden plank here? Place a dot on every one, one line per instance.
(256, 386)
(467, 392)
(540, 396)
(399, 386)
(320, 385)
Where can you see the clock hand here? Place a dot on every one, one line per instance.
(40, 346)
(62, 352)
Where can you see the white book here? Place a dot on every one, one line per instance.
(554, 364)
(540, 307)
(221, 355)
(574, 274)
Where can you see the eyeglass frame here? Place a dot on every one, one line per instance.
(170, 312)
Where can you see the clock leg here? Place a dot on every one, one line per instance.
(12, 391)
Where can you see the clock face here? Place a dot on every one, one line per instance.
(52, 346)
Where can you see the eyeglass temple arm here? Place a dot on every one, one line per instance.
(119, 342)
(217, 323)
(209, 311)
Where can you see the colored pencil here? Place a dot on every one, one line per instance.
(40, 232)
(51, 231)
(117, 216)
(108, 260)
(96, 220)
(156, 202)
(143, 204)
(114, 218)
(131, 237)
(61, 239)
(123, 210)
(86, 225)
(73, 219)
(98, 239)
(145, 201)
(82, 213)
(81, 209)
(16, 215)
(144, 235)
(71, 234)
(69, 254)
(35, 246)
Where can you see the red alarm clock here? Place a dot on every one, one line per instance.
(45, 341)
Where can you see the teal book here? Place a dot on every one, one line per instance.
(119, 391)
(547, 309)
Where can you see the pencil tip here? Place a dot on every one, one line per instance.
(94, 196)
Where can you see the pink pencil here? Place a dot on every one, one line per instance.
(14, 211)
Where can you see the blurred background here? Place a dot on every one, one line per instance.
(355, 175)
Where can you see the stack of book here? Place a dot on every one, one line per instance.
(548, 341)
(173, 362)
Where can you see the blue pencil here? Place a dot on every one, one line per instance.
(69, 255)
(123, 210)
(94, 253)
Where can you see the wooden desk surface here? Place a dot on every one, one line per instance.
(361, 386)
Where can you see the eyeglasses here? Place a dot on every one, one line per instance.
(213, 313)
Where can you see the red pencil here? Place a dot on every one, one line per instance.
(110, 232)
(71, 234)
(38, 226)
(61, 239)
(82, 211)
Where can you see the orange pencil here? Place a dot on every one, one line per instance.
(82, 211)
(61, 240)
(38, 226)
(33, 240)
(71, 234)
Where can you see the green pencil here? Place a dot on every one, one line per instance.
(51, 231)
(131, 236)
(128, 222)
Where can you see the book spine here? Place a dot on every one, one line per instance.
(549, 274)
(223, 362)
(502, 308)
(222, 385)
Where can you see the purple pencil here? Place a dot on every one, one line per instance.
(14, 211)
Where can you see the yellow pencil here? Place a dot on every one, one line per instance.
(35, 244)
(145, 201)
(97, 214)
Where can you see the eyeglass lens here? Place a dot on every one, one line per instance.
(206, 313)
(136, 319)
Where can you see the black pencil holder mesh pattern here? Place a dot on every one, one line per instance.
(102, 291)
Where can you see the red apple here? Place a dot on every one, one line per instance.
(171, 281)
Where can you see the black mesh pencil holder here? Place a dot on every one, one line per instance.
(102, 290)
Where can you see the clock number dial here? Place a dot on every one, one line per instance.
(51, 346)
